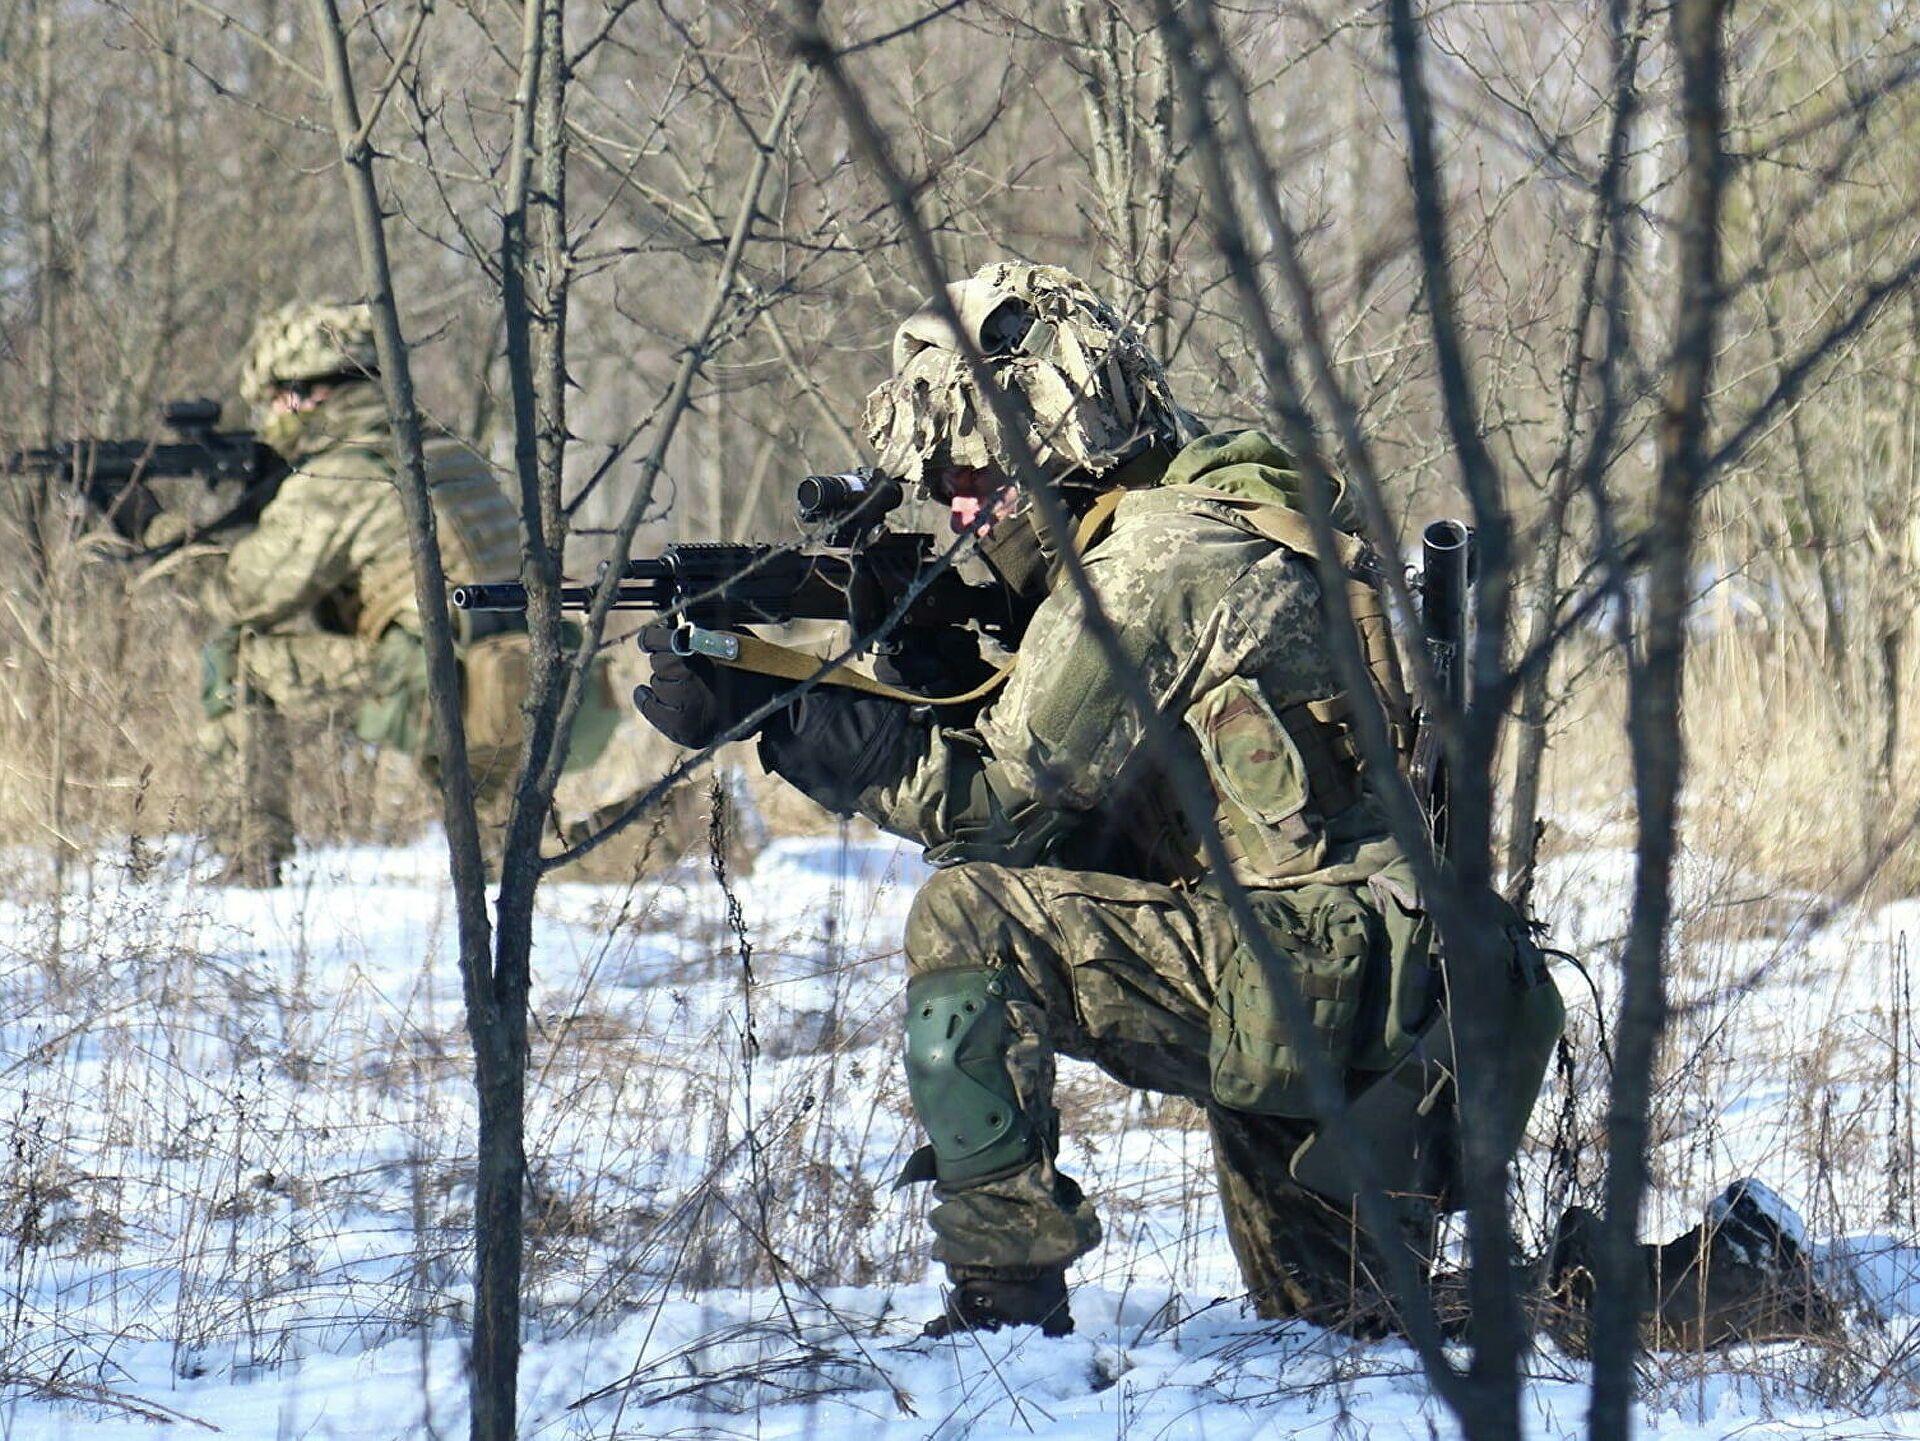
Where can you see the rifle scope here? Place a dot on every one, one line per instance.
(864, 492)
(189, 416)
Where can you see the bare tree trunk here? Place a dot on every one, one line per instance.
(172, 192)
(1498, 1330)
(1108, 98)
(496, 1021)
(46, 241)
(40, 503)
(1609, 242)
(1897, 622)
(1358, 151)
(1160, 210)
(535, 296)
(1530, 725)
(1655, 680)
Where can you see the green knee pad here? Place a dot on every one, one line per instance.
(957, 1039)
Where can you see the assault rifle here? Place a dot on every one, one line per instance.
(861, 574)
(239, 471)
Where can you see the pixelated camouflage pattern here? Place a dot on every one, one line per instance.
(309, 678)
(1125, 974)
(321, 592)
(335, 531)
(307, 341)
(1199, 600)
(1119, 975)
(1088, 385)
(1022, 810)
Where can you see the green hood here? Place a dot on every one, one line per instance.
(1246, 463)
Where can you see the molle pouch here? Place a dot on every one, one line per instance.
(599, 715)
(1405, 1117)
(1261, 781)
(1406, 1002)
(496, 673)
(1329, 941)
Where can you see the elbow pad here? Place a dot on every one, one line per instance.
(834, 745)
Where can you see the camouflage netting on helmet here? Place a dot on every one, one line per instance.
(304, 341)
(1090, 389)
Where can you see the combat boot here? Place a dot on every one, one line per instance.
(255, 863)
(986, 1303)
(1742, 1275)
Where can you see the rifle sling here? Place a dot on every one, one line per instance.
(1292, 531)
(784, 662)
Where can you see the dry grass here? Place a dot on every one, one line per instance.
(100, 697)
(307, 1148)
(1789, 1052)
(1781, 776)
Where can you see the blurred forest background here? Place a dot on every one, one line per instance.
(173, 171)
(171, 174)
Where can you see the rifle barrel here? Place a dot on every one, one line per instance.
(511, 595)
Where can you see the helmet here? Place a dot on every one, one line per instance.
(304, 341)
(1092, 393)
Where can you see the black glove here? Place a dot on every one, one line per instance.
(691, 701)
(934, 660)
(833, 744)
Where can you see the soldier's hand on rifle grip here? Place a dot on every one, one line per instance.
(935, 660)
(690, 700)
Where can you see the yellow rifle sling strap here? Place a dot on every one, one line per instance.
(783, 662)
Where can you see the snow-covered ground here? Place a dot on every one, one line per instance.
(240, 1131)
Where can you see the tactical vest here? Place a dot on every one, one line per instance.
(1283, 769)
(1281, 773)
(479, 534)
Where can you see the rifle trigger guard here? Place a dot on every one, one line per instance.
(690, 640)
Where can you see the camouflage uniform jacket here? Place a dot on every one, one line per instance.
(332, 544)
(1225, 627)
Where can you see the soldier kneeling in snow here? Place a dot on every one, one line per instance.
(1072, 912)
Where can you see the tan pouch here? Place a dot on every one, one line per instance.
(494, 675)
(1261, 781)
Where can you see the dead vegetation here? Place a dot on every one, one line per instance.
(278, 1126)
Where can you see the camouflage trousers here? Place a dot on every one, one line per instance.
(1122, 973)
(280, 677)
(317, 677)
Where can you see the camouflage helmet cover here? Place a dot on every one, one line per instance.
(305, 341)
(1089, 387)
